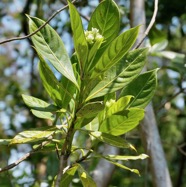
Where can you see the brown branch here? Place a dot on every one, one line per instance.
(150, 24)
(27, 155)
(42, 26)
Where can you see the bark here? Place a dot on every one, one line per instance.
(148, 128)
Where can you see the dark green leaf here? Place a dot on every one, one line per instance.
(106, 18)
(142, 88)
(90, 110)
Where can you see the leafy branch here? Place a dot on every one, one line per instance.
(42, 26)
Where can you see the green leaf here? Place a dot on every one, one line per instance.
(121, 166)
(142, 88)
(68, 175)
(5, 141)
(80, 43)
(86, 180)
(120, 124)
(49, 45)
(106, 18)
(33, 135)
(115, 51)
(43, 115)
(121, 157)
(120, 105)
(54, 88)
(121, 75)
(38, 104)
(90, 110)
(116, 141)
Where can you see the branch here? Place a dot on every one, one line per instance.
(180, 148)
(27, 155)
(83, 16)
(171, 98)
(150, 24)
(42, 26)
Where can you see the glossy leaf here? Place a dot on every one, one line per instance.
(123, 122)
(85, 178)
(125, 71)
(106, 18)
(54, 88)
(115, 51)
(43, 114)
(142, 88)
(49, 45)
(90, 109)
(33, 135)
(68, 175)
(38, 104)
(80, 43)
(116, 141)
(120, 105)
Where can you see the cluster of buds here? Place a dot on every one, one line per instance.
(93, 36)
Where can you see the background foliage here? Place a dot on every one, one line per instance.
(18, 70)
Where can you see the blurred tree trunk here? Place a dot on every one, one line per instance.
(148, 128)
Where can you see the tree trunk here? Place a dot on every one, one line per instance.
(148, 128)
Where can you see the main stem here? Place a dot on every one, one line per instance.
(65, 153)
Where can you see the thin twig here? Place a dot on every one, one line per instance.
(27, 155)
(171, 98)
(150, 24)
(180, 148)
(83, 16)
(42, 26)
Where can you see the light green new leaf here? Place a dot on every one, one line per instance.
(106, 18)
(121, 157)
(38, 104)
(142, 88)
(43, 114)
(68, 175)
(90, 110)
(120, 105)
(50, 46)
(122, 166)
(115, 51)
(33, 135)
(85, 178)
(123, 122)
(126, 70)
(116, 141)
(54, 88)
(80, 43)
